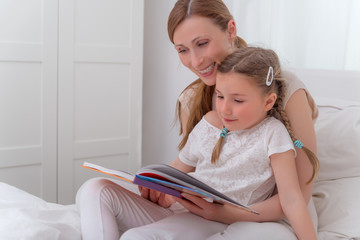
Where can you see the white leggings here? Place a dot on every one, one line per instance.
(112, 209)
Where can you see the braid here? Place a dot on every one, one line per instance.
(279, 112)
(216, 151)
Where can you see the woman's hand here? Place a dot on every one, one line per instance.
(160, 198)
(210, 211)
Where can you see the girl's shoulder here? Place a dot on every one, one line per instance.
(212, 118)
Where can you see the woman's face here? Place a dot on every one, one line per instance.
(202, 45)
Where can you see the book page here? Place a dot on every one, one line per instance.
(115, 173)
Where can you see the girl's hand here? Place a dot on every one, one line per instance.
(161, 199)
(210, 211)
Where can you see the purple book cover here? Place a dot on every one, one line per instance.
(157, 187)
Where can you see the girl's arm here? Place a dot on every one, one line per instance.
(300, 115)
(291, 197)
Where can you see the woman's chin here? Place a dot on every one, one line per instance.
(210, 81)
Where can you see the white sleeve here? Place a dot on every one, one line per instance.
(185, 99)
(188, 154)
(278, 138)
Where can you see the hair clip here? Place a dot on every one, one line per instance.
(298, 144)
(224, 131)
(268, 80)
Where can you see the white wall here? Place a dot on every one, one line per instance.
(163, 80)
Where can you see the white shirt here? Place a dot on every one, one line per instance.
(243, 171)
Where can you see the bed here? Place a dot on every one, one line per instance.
(336, 190)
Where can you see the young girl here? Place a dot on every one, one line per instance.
(253, 150)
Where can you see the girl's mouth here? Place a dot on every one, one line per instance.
(228, 120)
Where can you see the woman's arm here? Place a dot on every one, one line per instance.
(291, 197)
(300, 116)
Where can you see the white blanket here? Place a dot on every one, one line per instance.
(24, 216)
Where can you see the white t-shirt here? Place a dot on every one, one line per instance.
(243, 171)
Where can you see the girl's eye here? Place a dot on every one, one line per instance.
(202, 43)
(239, 101)
(220, 97)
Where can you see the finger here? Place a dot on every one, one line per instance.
(189, 205)
(154, 195)
(165, 200)
(200, 202)
(145, 192)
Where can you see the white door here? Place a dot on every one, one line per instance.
(100, 88)
(28, 95)
(70, 91)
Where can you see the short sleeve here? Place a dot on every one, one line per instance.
(278, 139)
(185, 99)
(293, 83)
(188, 153)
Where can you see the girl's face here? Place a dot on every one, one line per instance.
(240, 103)
(201, 45)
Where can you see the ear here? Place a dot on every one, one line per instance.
(270, 101)
(231, 28)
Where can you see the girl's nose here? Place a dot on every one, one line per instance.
(226, 107)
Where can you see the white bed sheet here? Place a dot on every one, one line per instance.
(24, 216)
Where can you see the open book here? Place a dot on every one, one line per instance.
(169, 180)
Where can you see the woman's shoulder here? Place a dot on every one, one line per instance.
(292, 81)
(293, 84)
(187, 95)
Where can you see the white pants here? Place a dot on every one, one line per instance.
(109, 210)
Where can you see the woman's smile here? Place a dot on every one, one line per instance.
(208, 70)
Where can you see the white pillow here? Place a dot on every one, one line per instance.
(336, 190)
(338, 138)
(338, 209)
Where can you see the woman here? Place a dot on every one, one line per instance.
(204, 33)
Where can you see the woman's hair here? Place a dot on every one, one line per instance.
(255, 63)
(219, 14)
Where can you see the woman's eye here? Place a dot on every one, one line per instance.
(239, 101)
(220, 97)
(181, 50)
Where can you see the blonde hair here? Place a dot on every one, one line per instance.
(219, 14)
(255, 62)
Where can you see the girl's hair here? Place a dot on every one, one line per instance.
(255, 63)
(219, 14)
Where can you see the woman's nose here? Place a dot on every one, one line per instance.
(196, 60)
